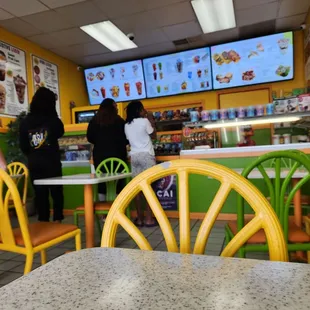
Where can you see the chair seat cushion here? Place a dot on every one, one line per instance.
(295, 234)
(42, 232)
(99, 206)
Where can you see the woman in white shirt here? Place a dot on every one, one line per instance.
(138, 130)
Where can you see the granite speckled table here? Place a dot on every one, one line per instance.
(88, 180)
(101, 278)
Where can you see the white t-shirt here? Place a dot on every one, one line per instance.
(138, 134)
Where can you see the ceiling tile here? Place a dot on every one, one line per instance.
(46, 41)
(45, 21)
(293, 7)
(94, 48)
(245, 4)
(19, 27)
(69, 51)
(23, 8)
(288, 23)
(136, 22)
(221, 36)
(151, 4)
(257, 14)
(152, 36)
(180, 31)
(120, 8)
(72, 36)
(5, 15)
(157, 49)
(82, 14)
(59, 3)
(174, 14)
(257, 30)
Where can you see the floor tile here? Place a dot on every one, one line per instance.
(8, 277)
(9, 264)
(20, 268)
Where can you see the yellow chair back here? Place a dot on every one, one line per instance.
(265, 218)
(18, 168)
(9, 191)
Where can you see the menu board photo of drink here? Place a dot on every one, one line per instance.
(254, 61)
(45, 74)
(13, 80)
(121, 82)
(178, 73)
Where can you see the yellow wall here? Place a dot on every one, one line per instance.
(210, 99)
(72, 86)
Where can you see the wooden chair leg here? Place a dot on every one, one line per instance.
(78, 244)
(43, 257)
(28, 264)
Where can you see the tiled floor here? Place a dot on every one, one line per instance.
(12, 265)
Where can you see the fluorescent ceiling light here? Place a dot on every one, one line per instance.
(252, 122)
(110, 36)
(214, 15)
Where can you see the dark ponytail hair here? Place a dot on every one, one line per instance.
(107, 113)
(134, 110)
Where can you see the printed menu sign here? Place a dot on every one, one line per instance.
(122, 82)
(45, 74)
(13, 80)
(254, 61)
(178, 73)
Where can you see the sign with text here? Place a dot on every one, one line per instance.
(45, 74)
(13, 80)
(166, 192)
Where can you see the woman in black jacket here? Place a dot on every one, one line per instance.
(39, 134)
(106, 132)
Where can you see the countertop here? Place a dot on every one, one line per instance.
(101, 278)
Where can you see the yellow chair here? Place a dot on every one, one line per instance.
(18, 168)
(265, 218)
(32, 238)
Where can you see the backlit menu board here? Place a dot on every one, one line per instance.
(178, 73)
(122, 82)
(254, 61)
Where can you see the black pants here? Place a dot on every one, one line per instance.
(41, 169)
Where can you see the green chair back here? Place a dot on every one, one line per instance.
(278, 186)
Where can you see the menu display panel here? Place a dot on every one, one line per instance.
(254, 61)
(178, 73)
(122, 82)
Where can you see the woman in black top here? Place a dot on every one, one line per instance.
(39, 134)
(106, 132)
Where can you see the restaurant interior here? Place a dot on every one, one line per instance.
(227, 84)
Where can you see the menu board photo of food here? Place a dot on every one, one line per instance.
(121, 82)
(254, 61)
(45, 74)
(13, 80)
(178, 73)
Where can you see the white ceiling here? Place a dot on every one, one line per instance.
(54, 24)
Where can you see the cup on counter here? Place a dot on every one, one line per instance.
(260, 111)
(214, 115)
(276, 139)
(194, 116)
(287, 138)
(205, 115)
(231, 113)
(250, 111)
(68, 156)
(269, 109)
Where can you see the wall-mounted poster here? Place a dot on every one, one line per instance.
(13, 80)
(45, 74)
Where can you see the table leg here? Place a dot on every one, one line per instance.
(297, 205)
(89, 215)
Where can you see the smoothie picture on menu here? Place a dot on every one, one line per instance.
(183, 72)
(20, 87)
(2, 98)
(122, 82)
(253, 61)
(2, 66)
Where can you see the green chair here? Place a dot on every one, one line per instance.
(110, 166)
(281, 194)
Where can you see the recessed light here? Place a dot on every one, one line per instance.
(109, 35)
